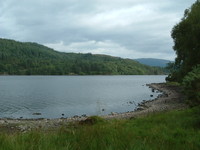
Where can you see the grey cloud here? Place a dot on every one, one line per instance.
(132, 26)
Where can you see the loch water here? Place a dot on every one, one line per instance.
(66, 96)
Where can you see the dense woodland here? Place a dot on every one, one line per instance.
(18, 58)
(186, 69)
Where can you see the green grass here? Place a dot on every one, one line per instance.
(176, 130)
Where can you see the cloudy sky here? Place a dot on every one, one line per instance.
(124, 28)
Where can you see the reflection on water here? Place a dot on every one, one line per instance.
(52, 96)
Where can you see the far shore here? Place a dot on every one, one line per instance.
(171, 99)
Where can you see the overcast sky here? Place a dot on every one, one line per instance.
(124, 28)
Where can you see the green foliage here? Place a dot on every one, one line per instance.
(186, 35)
(191, 84)
(92, 120)
(186, 70)
(17, 58)
(167, 131)
(173, 83)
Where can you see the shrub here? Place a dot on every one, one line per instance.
(92, 120)
(191, 84)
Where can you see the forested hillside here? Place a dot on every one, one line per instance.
(18, 58)
(153, 62)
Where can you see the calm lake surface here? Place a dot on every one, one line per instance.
(52, 96)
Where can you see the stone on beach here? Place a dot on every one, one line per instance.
(37, 113)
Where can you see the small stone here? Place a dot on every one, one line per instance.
(36, 113)
(140, 108)
(60, 120)
(113, 113)
(23, 128)
(2, 121)
(84, 115)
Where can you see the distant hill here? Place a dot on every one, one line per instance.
(18, 58)
(153, 62)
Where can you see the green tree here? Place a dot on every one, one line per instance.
(186, 36)
(186, 68)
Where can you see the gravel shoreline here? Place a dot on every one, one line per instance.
(170, 99)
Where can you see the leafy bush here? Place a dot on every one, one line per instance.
(191, 84)
(92, 120)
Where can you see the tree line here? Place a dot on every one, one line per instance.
(19, 58)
